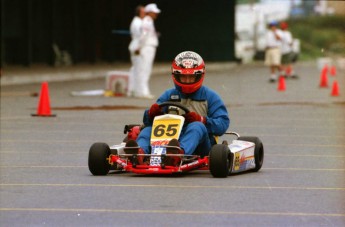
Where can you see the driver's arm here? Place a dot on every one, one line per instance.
(217, 119)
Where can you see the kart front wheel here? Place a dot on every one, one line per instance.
(220, 160)
(258, 151)
(98, 163)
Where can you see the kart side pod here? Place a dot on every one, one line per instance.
(243, 154)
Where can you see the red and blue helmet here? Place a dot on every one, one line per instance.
(188, 63)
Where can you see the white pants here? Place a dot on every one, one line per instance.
(147, 54)
(133, 75)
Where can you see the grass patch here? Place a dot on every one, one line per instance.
(319, 36)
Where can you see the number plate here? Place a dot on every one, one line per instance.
(164, 129)
(167, 127)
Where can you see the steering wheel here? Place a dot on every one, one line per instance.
(174, 104)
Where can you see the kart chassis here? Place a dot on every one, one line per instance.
(242, 154)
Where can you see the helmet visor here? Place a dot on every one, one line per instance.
(187, 78)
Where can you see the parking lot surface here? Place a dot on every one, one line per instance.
(45, 179)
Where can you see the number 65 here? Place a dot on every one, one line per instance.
(161, 130)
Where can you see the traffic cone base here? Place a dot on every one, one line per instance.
(335, 89)
(281, 84)
(43, 109)
(43, 115)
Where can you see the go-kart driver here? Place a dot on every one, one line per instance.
(208, 116)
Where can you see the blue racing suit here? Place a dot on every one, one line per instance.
(196, 136)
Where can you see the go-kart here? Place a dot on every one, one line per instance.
(243, 154)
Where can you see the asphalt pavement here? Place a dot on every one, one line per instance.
(45, 181)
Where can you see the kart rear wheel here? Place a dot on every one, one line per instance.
(220, 160)
(98, 154)
(258, 151)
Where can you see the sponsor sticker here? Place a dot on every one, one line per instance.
(237, 163)
(156, 160)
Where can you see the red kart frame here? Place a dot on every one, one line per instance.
(244, 154)
(197, 164)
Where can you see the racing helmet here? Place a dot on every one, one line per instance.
(188, 63)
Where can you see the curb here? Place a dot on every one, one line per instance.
(30, 75)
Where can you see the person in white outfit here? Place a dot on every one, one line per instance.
(134, 49)
(148, 44)
(273, 50)
(287, 51)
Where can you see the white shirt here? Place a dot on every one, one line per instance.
(135, 30)
(286, 42)
(148, 36)
(271, 40)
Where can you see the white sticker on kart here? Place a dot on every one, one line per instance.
(156, 160)
(243, 155)
(238, 145)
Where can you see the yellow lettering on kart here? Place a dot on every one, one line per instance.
(166, 129)
(237, 161)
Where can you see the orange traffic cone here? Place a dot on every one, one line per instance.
(323, 77)
(281, 84)
(333, 71)
(335, 89)
(43, 109)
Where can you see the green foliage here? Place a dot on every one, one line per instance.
(239, 2)
(320, 36)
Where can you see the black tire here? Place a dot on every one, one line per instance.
(98, 163)
(258, 151)
(220, 161)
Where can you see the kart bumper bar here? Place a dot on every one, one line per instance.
(200, 164)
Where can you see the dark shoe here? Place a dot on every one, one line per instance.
(173, 147)
(133, 148)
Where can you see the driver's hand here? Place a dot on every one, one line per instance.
(192, 116)
(155, 110)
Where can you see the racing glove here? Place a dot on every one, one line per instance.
(155, 110)
(192, 116)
